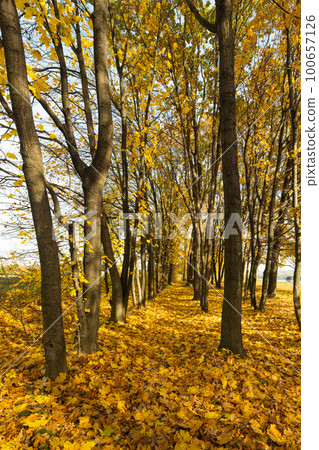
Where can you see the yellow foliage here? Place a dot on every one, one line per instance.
(160, 379)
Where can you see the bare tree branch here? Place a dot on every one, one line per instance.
(204, 22)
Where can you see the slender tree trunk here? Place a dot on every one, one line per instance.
(133, 290)
(231, 334)
(273, 274)
(106, 279)
(89, 305)
(171, 273)
(221, 266)
(53, 334)
(139, 288)
(158, 273)
(246, 270)
(196, 262)
(164, 266)
(74, 259)
(128, 260)
(294, 102)
(258, 249)
(279, 229)
(246, 288)
(143, 270)
(118, 310)
(271, 225)
(206, 270)
(151, 271)
(190, 263)
(185, 261)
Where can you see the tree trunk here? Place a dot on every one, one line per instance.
(89, 305)
(221, 266)
(196, 262)
(158, 271)
(106, 279)
(93, 180)
(279, 230)
(190, 263)
(272, 283)
(294, 102)
(246, 270)
(139, 288)
(143, 270)
(150, 271)
(74, 259)
(171, 272)
(205, 270)
(185, 262)
(271, 225)
(118, 310)
(231, 334)
(246, 288)
(256, 255)
(53, 334)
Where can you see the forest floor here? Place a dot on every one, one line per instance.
(157, 382)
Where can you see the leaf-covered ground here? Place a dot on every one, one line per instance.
(158, 382)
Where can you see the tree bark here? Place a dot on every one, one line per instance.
(139, 289)
(150, 271)
(271, 226)
(118, 309)
(143, 270)
(53, 334)
(74, 259)
(294, 102)
(93, 180)
(196, 262)
(92, 176)
(231, 334)
(279, 229)
(89, 305)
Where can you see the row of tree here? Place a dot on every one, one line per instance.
(136, 117)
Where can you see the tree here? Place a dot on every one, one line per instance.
(53, 334)
(294, 108)
(231, 336)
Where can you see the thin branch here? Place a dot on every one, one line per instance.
(204, 22)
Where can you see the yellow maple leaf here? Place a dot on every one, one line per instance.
(193, 390)
(224, 381)
(33, 421)
(184, 436)
(121, 406)
(71, 446)
(60, 378)
(87, 445)
(211, 415)
(247, 409)
(41, 399)
(224, 438)
(183, 413)
(84, 421)
(275, 434)
(255, 426)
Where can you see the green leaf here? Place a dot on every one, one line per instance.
(107, 431)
